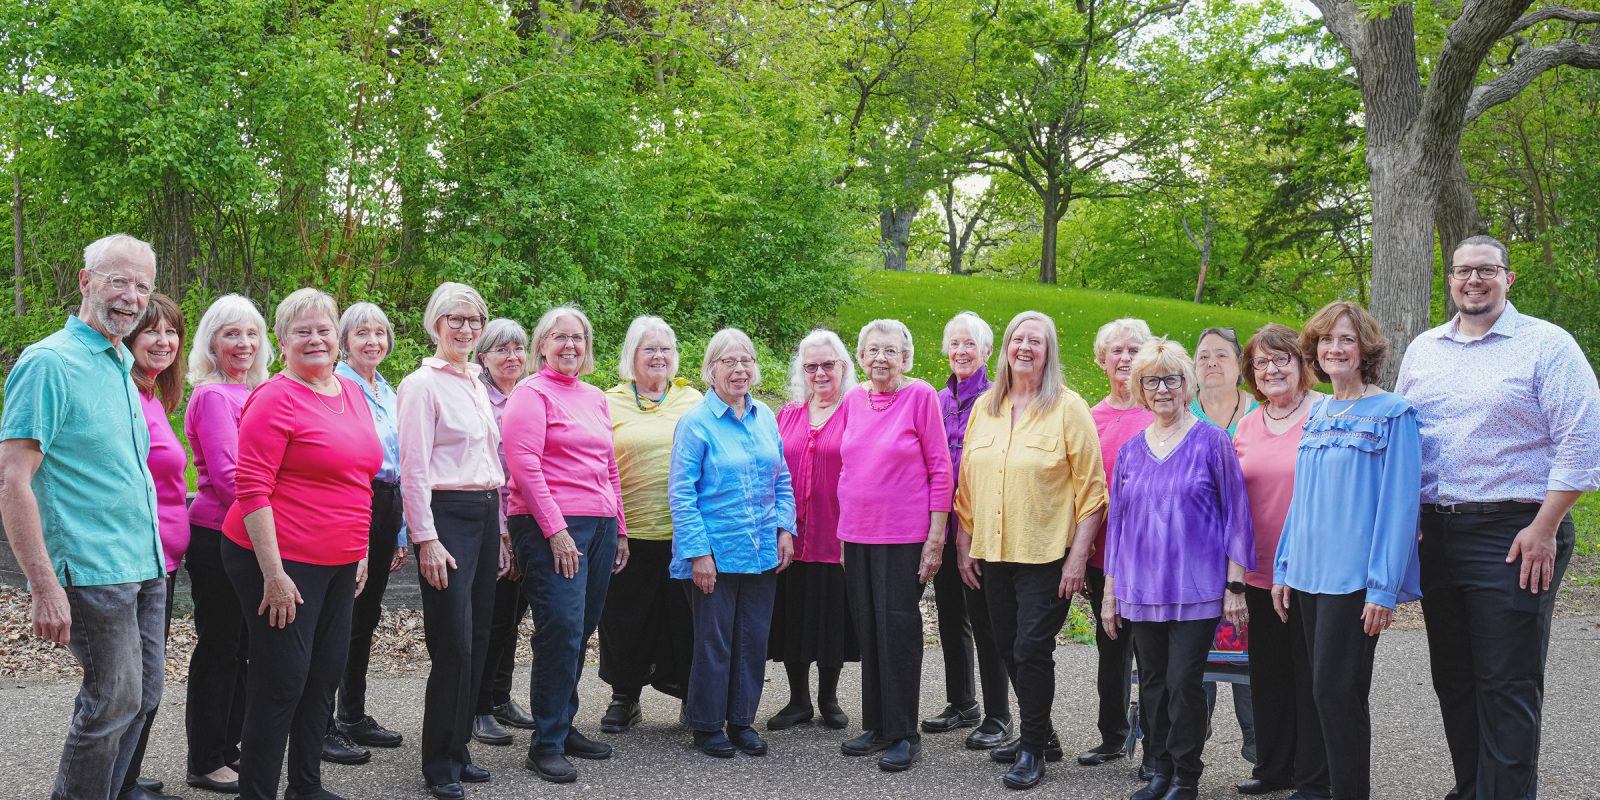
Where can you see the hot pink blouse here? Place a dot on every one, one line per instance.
(560, 456)
(814, 466)
(1116, 426)
(896, 465)
(167, 461)
(1268, 461)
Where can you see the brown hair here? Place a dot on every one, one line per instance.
(168, 384)
(1371, 341)
(1277, 338)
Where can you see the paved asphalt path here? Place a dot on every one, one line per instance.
(656, 759)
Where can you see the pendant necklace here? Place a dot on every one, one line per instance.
(1292, 411)
(1182, 426)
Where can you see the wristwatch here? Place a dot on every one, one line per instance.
(1237, 587)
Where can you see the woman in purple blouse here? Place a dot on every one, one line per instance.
(1178, 540)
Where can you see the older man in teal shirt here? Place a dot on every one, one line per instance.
(79, 507)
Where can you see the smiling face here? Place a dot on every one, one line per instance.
(883, 357)
(1025, 350)
(156, 347)
(310, 348)
(1117, 360)
(234, 348)
(367, 345)
(506, 362)
(1274, 381)
(115, 312)
(1339, 350)
(456, 344)
(732, 373)
(1167, 402)
(1217, 362)
(656, 360)
(966, 357)
(823, 383)
(1476, 295)
(564, 345)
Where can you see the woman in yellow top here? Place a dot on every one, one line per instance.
(1030, 499)
(646, 630)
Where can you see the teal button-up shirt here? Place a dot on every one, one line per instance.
(73, 393)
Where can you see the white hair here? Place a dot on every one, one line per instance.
(229, 309)
(1128, 327)
(888, 327)
(548, 322)
(355, 316)
(445, 298)
(641, 327)
(107, 248)
(724, 342)
(799, 390)
(976, 328)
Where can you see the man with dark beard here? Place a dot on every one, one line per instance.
(79, 506)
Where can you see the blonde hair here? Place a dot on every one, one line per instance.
(229, 309)
(299, 303)
(1051, 383)
(799, 391)
(724, 342)
(1160, 356)
(979, 330)
(536, 360)
(447, 295)
(641, 327)
(1131, 327)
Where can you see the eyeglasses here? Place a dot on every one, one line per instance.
(737, 361)
(455, 321)
(119, 283)
(658, 351)
(1226, 333)
(825, 366)
(1153, 383)
(1487, 272)
(508, 350)
(565, 339)
(1281, 360)
(890, 353)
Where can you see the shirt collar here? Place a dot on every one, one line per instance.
(96, 342)
(441, 364)
(1506, 325)
(721, 408)
(381, 385)
(967, 390)
(551, 373)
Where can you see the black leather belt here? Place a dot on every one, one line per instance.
(385, 486)
(1479, 508)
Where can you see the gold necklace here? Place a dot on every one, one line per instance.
(1182, 426)
(1346, 409)
(324, 403)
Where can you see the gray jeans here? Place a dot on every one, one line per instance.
(117, 638)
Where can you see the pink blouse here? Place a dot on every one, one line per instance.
(167, 461)
(211, 423)
(559, 452)
(1116, 426)
(1268, 461)
(448, 440)
(896, 465)
(814, 466)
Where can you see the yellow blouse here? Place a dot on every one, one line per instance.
(1023, 489)
(644, 454)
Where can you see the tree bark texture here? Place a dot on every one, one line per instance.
(894, 226)
(1051, 222)
(174, 237)
(16, 242)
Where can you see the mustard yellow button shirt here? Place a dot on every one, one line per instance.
(1024, 489)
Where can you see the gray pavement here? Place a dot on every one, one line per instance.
(656, 760)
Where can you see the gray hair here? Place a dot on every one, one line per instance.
(979, 330)
(444, 298)
(724, 342)
(1488, 241)
(299, 303)
(888, 327)
(547, 322)
(641, 327)
(1129, 327)
(229, 309)
(353, 318)
(799, 391)
(106, 248)
(498, 332)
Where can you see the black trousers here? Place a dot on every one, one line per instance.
(1338, 656)
(1114, 674)
(500, 663)
(966, 639)
(1027, 613)
(1487, 642)
(135, 764)
(294, 671)
(382, 535)
(214, 705)
(881, 580)
(1172, 665)
(1288, 743)
(455, 623)
(646, 630)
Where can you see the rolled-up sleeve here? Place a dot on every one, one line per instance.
(1088, 474)
(1570, 399)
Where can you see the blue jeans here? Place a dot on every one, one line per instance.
(730, 649)
(565, 613)
(117, 638)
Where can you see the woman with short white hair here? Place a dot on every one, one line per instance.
(228, 357)
(811, 615)
(646, 631)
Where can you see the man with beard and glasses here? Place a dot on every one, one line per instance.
(1509, 414)
(79, 505)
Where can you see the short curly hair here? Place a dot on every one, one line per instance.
(1275, 338)
(1370, 339)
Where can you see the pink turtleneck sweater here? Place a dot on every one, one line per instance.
(560, 459)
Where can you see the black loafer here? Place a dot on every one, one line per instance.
(951, 718)
(336, 749)
(1258, 786)
(790, 716)
(150, 784)
(747, 740)
(1182, 789)
(552, 767)
(867, 743)
(509, 713)
(832, 715)
(1007, 753)
(900, 755)
(140, 793)
(580, 746)
(314, 793)
(991, 733)
(620, 716)
(472, 773)
(447, 791)
(205, 782)
(1025, 773)
(1100, 755)
(715, 744)
(368, 733)
(1156, 789)
(486, 729)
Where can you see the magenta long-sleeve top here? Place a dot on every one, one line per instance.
(896, 465)
(211, 423)
(560, 458)
(167, 461)
(813, 456)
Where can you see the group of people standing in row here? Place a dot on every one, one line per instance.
(704, 535)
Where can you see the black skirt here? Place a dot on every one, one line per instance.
(811, 617)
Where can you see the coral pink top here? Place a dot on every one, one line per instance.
(896, 465)
(311, 459)
(1116, 426)
(814, 465)
(167, 461)
(211, 422)
(1268, 461)
(560, 457)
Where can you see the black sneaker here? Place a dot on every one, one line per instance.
(367, 732)
(338, 749)
(867, 743)
(621, 715)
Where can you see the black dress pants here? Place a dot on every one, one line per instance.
(214, 704)
(1172, 666)
(881, 580)
(1487, 642)
(1339, 655)
(1027, 612)
(967, 640)
(500, 663)
(1283, 754)
(455, 623)
(382, 539)
(1114, 673)
(647, 633)
(294, 671)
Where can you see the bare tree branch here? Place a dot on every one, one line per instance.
(1564, 13)
(1532, 64)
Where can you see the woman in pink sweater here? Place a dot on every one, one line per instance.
(565, 519)
(894, 500)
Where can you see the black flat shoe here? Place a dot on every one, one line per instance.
(1100, 755)
(367, 732)
(1258, 786)
(150, 784)
(1156, 789)
(832, 715)
(620, 716)
(900, 755)
(951, 718)
(486, 729)
(867, 743)
(205, 782)
(472, 773)
(336, 749)
(140, 793)
(509, 713)
(790, 716)
(1025, 773)
(991, 733)
(580, 746)
(447, 791)
(1182, 789)
(314, 793)
(715, 744)
(1007, 753)
(552, 767)
(747, 740)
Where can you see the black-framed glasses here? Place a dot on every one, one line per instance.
(1487, 272)
(1153, 383)
(1280, 360)
(456, 321)
(825, 366)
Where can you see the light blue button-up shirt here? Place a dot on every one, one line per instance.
(385, 405)
(729, 488)
(73, 393)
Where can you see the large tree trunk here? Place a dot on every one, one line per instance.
(1051, 221)
(894, 225)
(1402, 240)
(1456, 217)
